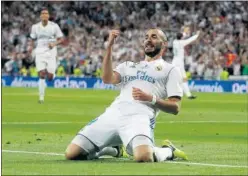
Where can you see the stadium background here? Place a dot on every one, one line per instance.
(221, 51)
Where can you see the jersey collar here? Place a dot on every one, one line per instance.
(156, 60)
(46, 25)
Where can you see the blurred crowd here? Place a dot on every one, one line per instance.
(221, 51)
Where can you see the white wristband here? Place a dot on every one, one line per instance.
(154, 99)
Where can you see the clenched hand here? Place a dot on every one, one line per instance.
(138, 94)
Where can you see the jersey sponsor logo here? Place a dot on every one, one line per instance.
(140, 75)
(45, 36)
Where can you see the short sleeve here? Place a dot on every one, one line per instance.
(59, 33)
(121, 68)
(33, 32)
(174, 83)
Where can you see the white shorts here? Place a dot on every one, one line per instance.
(45, 62)
(114, 128)
(183, 72)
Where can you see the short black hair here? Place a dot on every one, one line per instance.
(179, 35)
(44, 9)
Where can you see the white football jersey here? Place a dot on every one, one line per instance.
(45, 35)
(178, 50)
(155, 77)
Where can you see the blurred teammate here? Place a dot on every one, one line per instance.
(146, 87)
(48, 35)
(178, 59)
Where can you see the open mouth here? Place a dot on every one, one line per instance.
(149, 46)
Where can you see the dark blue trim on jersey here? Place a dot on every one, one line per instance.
(152, 123)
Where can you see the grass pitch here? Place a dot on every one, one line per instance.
(212, 130)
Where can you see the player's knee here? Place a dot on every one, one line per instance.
(81, 148)
(74, 152)
(142, 149)
(145, 157)
(75, 156)
(70, 155)
(144, 154)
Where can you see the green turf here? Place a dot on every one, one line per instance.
(211, 129)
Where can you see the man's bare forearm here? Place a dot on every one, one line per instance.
(107, 66)
(107, 69)
(59, 41)
(172, 107)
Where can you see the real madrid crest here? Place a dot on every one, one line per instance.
(158, 68)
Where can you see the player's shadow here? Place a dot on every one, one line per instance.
(100, 160)
(64, 161)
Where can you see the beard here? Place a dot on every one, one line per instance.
(153, 53)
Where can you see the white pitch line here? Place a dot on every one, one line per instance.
(171, 162)
(36, 123)
(83, 122)
(210, 121)
(37, 153)
(207, 164)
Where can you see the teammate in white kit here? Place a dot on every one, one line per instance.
(146, 87)
(48, 35)
(178, 59)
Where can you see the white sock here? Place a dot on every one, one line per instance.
(42, 86)
(108, 151)
(186, 89)
(162, 154)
